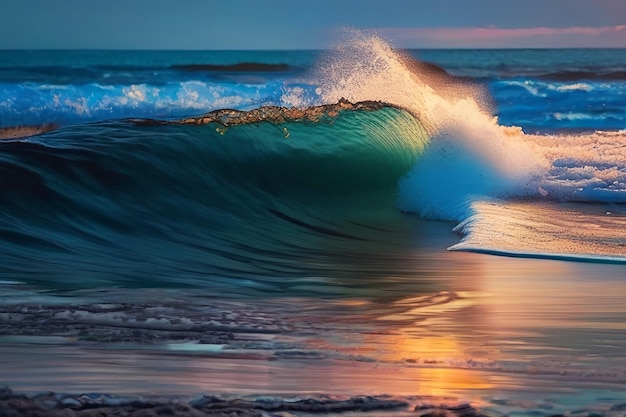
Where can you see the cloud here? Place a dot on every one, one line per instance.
(608, 36)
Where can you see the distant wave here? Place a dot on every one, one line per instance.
(566, 76)
(28, 103)
(239, 67)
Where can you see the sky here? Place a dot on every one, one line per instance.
(314, 24)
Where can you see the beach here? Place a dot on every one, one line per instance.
(485, 329)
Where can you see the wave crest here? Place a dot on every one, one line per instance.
(470, 156)
(273, 114)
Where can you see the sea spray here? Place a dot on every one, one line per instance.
(469, 154)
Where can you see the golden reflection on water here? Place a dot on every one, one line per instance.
(427, 362)
(488, 323)
(511, 317)
(553, 294)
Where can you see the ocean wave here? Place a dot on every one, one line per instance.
(220, 200)
(368, 123)
(534, 229)
(469, 154)
(569, 76)
(546, 88)
(546, 106)
(63, 104)
(239, 67)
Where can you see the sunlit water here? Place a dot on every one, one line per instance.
(423, 249)
(541, 334)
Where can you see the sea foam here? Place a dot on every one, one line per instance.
(469, 154)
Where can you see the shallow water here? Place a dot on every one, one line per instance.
(506, 334)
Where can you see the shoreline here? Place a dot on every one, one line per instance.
(331, 357)
(52, 404)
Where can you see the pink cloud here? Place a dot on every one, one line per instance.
(613, 36)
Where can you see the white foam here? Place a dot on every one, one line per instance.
(295, 97)
(572, 116)
(574, 87)
(136, 93)
(470, 156)
(527, 85)
(586, 167)
(565, 231)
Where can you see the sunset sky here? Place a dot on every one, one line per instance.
(289, 24)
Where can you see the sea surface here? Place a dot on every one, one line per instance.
(442, 226)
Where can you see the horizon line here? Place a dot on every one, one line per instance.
(446, 48)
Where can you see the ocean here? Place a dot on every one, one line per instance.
(445, 229)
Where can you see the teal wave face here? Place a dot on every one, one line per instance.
(356, 152)
(125, 205)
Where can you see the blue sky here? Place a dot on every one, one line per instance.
(293, 24)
